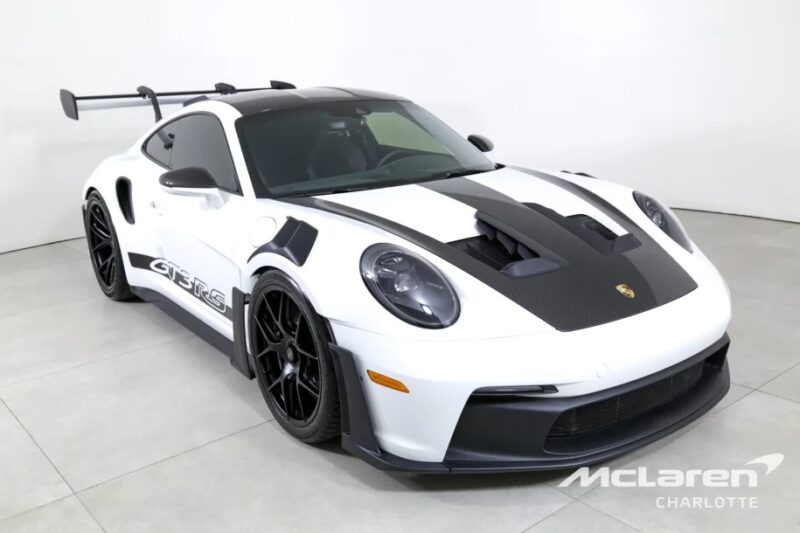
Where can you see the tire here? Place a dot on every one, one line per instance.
(104, 250)
(292, 361)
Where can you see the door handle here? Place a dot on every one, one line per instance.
(156, 208)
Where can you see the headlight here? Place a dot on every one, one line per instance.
(664, 218)
(409, 286)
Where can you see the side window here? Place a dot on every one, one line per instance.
(195, 141)
(199, 141)
(158, 145)
(392, 129)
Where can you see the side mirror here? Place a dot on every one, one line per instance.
(187, 178)
(481, 143)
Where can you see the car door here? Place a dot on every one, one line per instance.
(198, 228)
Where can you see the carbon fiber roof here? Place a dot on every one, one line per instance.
(251, 102)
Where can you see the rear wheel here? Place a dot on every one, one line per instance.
(293, 364)
(104, 249)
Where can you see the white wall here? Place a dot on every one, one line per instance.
(694, 101)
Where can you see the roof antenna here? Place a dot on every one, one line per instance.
(224, 88)
(147, 92)
(276, 84)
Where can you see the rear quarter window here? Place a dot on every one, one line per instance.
(158, 147)
(194, 140)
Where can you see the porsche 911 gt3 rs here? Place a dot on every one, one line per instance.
(386, 283)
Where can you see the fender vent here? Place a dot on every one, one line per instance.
(125, 199)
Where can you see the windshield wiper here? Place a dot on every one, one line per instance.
(458, 173)
(335, 190)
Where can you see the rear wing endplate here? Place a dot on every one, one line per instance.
(146, 96)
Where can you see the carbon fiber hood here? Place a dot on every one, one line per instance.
(554, 248)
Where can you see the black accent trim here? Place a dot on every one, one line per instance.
(481, 143)
(515, 427)
(240, 357)
(146, 92)
(230, 348)
(187, 178)
(357, 429)
(69, 103)
(358, 436)
(188, 320)
(516, 390)
(196, 99)
(124, 191)
(293, 241)
(584, 174)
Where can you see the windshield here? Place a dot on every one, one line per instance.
(344, 146)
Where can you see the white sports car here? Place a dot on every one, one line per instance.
(385, 282)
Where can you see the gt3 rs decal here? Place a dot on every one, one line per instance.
(180, 277)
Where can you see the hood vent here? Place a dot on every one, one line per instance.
(519, 255)
(590, 231)
(503, 251)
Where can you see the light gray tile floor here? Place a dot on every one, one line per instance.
(577, 517)
(67, 515)
(115, 418)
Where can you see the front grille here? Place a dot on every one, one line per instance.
(605, 413)
(537, 430)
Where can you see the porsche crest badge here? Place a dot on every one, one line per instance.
(626, 291)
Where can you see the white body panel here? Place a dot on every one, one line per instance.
(494, 341)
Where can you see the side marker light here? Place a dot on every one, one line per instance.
(386, 381)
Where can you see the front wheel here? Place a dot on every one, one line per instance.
(104, 249)
(292, 360)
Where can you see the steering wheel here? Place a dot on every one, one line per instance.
(393, 155)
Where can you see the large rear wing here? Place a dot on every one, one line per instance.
(146, 96)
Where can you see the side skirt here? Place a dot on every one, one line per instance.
(231, 349)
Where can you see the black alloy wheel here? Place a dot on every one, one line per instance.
(289, 343)
(104, 249)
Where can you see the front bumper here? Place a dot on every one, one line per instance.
(507, 432)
